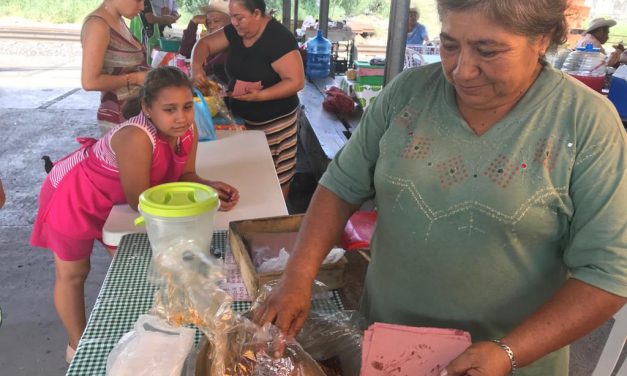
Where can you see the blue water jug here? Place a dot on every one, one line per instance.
(618, 91)
(318, 57)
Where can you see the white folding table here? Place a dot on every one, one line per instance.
(241, 159)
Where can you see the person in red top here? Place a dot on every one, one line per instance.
(214, 16)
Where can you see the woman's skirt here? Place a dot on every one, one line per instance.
(281, 134)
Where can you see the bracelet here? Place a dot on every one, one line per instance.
(128, 83)
(510, 354)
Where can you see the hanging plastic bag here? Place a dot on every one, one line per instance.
(202, 117)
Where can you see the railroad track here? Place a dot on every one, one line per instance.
(47, 34)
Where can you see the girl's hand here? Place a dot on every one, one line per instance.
(229, 196)
(480, 359)
(252, 95)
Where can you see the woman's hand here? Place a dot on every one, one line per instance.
(199, 19)
(480, 359)
(199, 77)
(137, 78)
(252, 95)
(229, 196)
(287, 306)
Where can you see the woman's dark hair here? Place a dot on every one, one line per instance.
(252, 5)
(529, 18)
(156, 80)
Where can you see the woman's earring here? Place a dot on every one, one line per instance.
(147, 115)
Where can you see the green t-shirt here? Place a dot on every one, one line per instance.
(477, 232)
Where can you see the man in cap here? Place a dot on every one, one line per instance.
(214, 16)
(597, 33)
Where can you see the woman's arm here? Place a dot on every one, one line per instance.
(95, 38)
(208, 45)
(288, 304)
(290, 68)
(229, 196)
(133, 152)
(161, 20)
(575, 310)
(189, 38)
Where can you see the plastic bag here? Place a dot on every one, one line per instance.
(334, 336)
(190, 293)
(330, 338)
(202, 117)
(152, 348)
(273, 264)
(359, 229)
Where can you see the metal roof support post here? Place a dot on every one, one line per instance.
(323, 20)
(397, 38)
(287, 12)
(295, 16)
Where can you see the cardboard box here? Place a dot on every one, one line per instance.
(330, 274)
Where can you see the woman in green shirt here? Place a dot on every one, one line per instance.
(501, 191)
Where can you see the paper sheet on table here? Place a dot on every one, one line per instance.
(402, 350)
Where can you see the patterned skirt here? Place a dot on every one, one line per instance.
(281, 134)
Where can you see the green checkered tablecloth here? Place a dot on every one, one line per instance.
(126, 293)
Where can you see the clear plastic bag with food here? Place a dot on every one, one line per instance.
(190, 293)
(332, 338)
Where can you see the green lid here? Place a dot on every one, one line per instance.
(180, 199)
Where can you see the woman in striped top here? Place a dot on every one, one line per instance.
(156, 146)
(114, 62)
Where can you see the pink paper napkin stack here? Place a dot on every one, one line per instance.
(399, 350)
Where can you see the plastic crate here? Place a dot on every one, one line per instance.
(370, 80)
(169, 45)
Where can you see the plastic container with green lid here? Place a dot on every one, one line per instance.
(177, 212)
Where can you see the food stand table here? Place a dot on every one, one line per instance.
(126, 294)
(241, 159)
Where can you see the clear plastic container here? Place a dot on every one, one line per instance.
(588, 65)
(178, 212)
(557, 58)
(318, 57)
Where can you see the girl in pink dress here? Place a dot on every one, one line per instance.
(154, 147)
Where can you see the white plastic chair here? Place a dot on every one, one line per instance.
(613, 347)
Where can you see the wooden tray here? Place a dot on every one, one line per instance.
(330, 274)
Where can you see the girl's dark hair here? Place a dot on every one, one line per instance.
(156, 80)
(252, 5)
(530, 18)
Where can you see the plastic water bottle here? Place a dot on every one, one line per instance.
(588, 65)
(318, 57)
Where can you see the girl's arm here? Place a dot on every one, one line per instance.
(229, 196)
(208, 45)
(133, 151)
(95, 39)
(290, 68)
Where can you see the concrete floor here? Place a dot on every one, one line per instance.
(42, 110)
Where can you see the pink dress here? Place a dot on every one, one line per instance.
(78, 194)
